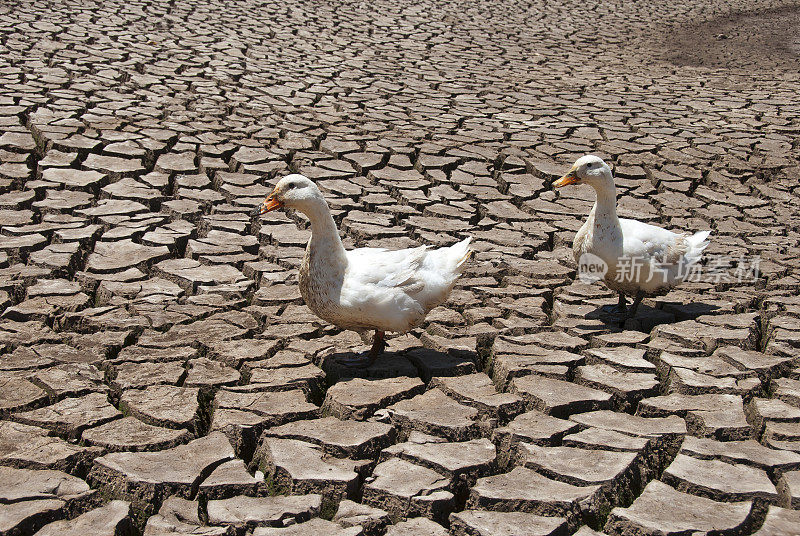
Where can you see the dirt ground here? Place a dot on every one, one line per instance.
(755, 40)
(161, 375)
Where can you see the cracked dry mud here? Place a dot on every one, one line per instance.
(159, 373)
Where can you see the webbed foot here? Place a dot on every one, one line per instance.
(362, 360)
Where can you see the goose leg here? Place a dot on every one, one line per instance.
(378, 346)
(622, 306)
(635, 305)
(367, 359)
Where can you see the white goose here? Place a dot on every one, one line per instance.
(365, 288)
(641, 259)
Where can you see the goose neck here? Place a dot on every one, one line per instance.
(325, 240)
(606, 204)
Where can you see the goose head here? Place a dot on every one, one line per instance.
(293, 191)
(589, 170)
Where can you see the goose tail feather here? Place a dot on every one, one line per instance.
(697, 244)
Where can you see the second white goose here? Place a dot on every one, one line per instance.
(639, 259)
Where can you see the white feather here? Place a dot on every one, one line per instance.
(394, 290)
(368, 288)
(663, 257)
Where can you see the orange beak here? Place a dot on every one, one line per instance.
(270, 203)
(569, 178)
